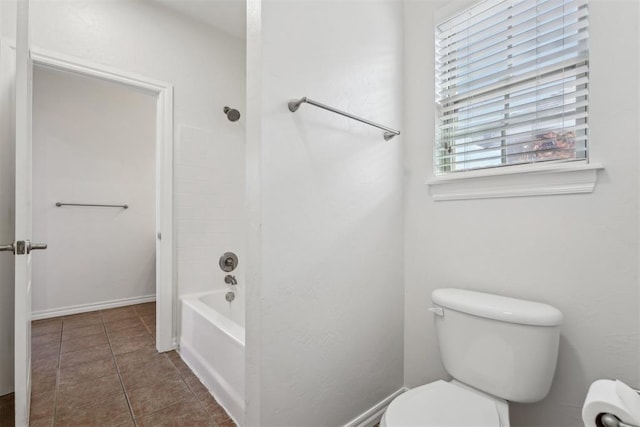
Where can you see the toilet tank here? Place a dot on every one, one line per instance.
(503, 346)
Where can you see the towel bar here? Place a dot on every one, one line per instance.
(294, 104)
(59, 204)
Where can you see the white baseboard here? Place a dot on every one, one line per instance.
(373, 415)
(95, 306)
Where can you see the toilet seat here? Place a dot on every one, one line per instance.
(442, 404)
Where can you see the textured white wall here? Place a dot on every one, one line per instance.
(206, 67)
(329, 338)
(93, 142)
(577, 252)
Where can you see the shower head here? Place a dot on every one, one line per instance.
(232, 114)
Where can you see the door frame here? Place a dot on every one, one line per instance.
(166, 279)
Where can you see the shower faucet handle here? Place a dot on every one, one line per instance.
(228, 262)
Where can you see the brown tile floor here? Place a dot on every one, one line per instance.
(102, 369)
(6, 410)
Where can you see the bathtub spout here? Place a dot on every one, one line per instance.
(231, 280)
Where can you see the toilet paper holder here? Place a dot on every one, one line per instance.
(609, 420)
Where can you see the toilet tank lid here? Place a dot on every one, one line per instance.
(497, 307)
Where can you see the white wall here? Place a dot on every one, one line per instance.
(328, 333)
(206, 68)
(93, 142)
(577, 252)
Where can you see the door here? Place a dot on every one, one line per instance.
(22, 246)
(22, 340)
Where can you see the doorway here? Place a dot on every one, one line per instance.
(93, 194)
(106, 230)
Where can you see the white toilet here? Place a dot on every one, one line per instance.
(497, 349)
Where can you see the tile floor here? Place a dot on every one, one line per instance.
(102, 369)
(7, 414)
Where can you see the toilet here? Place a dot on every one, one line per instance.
(497, 350)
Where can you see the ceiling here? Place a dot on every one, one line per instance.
(228, 16)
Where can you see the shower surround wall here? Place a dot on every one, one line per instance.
(324, 332)
(577, 252)
(210, 174)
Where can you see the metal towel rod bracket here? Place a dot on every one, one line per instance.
(294, 104)
(59, 204)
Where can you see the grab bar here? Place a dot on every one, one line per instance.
(59, 204)
(294, 104)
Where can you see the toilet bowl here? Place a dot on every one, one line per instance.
(497, 349)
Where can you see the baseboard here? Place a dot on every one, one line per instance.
(372, 416)
(83, 308)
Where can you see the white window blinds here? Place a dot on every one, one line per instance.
(512, 84)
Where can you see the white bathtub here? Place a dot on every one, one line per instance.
(212, 344)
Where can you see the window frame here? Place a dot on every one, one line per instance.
(516, 180)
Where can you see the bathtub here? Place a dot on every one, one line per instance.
(212, 344)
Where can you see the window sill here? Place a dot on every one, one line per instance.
(516, 181)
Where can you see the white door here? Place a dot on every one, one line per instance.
(23, 246)
(22, 340)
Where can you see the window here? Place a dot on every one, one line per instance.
(512, 85)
